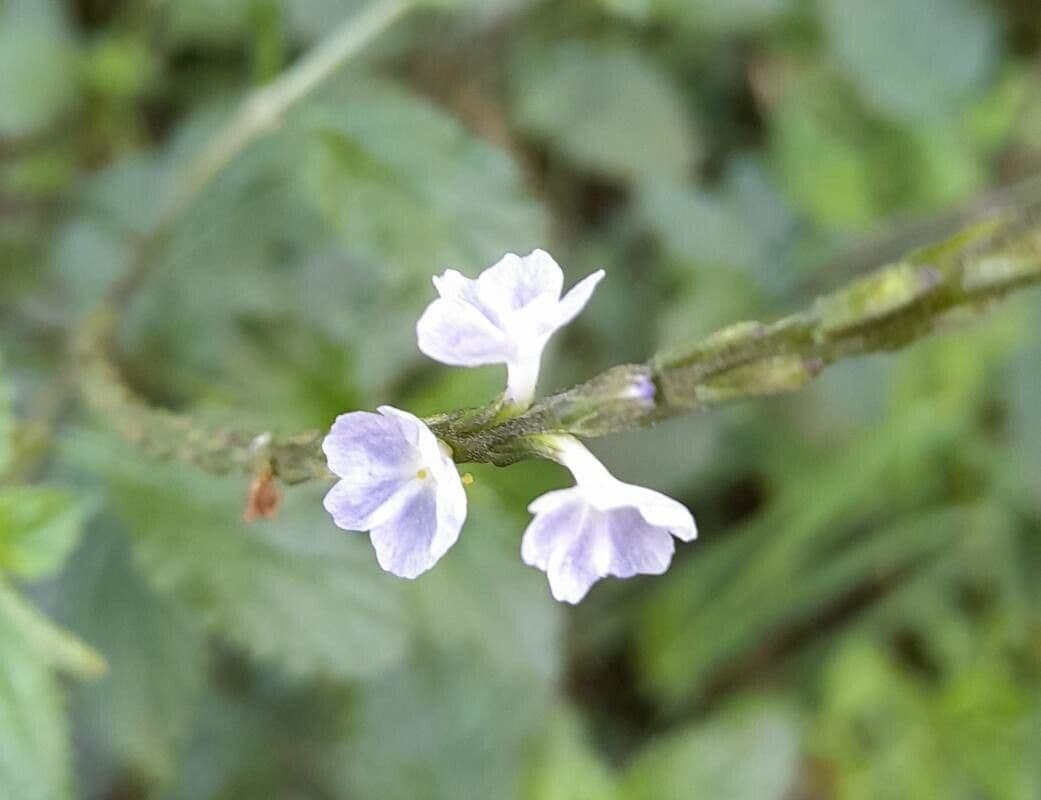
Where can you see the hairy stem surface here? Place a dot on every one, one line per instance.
(926, 291)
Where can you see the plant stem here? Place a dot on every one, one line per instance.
(889, 309)
(163, 433)
(886, 310)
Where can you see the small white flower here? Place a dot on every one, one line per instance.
(505, 316)
(397, 481)
(600, 527)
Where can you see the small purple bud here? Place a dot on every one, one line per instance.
(642, 388)
(618, 399)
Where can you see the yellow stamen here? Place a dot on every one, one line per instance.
(467, 479)
(421, 474)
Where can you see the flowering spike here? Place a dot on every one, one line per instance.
(504, 316)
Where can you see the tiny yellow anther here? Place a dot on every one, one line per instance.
(421, 473)
(467, 479)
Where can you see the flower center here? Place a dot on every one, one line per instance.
(421, 473)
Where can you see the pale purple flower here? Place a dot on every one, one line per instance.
(397, 481)
(600, 527)
(504, 316)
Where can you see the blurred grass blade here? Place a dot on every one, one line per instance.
(54, 645)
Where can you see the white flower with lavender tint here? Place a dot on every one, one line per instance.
(397, 481)
(505, 316)
(600, 527)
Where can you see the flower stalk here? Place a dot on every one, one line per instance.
(927, 291)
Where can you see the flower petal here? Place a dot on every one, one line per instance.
(415, 430)
(451, 512)
(451, 497)
(356, 506)
(415, 538)
(661, 510)
(552, 500)
(504, 316)
(563, 541)
(558, 517)
(571, 570)
(362, 446)
(577, 545)
(575, 300)
(513, 282)
(451, 284)
(637, 548)
(456, 332)
(409, 427)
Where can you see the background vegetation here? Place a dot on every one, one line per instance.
(861, 617)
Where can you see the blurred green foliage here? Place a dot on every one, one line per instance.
(861, 617)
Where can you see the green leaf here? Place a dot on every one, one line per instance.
(263, 737)
(1026, 421)
(235, 240)
(37, 81)
(6, 420)
(121, 66)
(639, 10)
(136, 717)
(890, 734)
(751, 754)
(695, 225)
(703, 16)
(312, 19)
(441, 727)
(949, 163)
(744, 224)
(565, 766)
(55, 645)
(731, 17)
(990, 556)
(38, 529)
(88, 257)
(819, 161)
(913, 61)
(409, 190)
(481, 598)
(296, 591)
(790, 559)
(319, 239)
(208, 21)
(34, 747)
(606, 108)
(845, 166)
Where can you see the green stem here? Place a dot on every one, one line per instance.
(173, 436)
(889, 309)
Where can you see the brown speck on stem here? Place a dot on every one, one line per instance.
(264, 497)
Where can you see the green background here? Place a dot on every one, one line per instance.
(861, 616)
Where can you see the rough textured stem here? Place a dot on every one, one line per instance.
(165, 434)
(928, 290)
(886, 310)
(179, 437)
